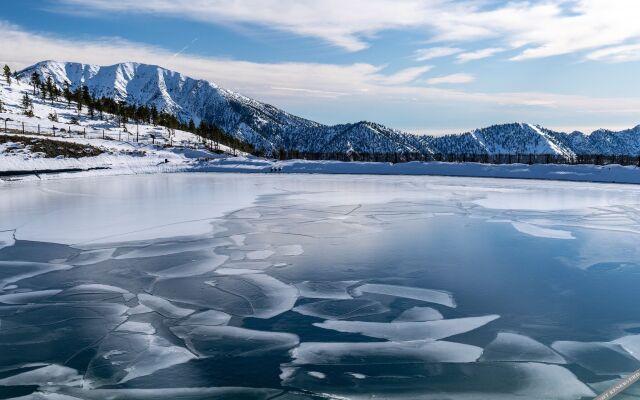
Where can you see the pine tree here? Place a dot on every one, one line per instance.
(66, 93)
(35, 81)
(7, 73)
(26, 101)
(50, 88)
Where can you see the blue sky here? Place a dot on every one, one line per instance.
(425, 66)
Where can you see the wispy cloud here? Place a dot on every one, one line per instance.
(624, 53)
(435, 52)
(478, 54)
(405, 76)
(541, 29)
(452, 78)
(291, 84)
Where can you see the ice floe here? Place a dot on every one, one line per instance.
(15, 271)
(6, 239)
(538, 231)
(356, 353)
(124, 356)
(28, 297)
(163, 306)
(194, 268)
(402, 331)
(210, 318)
(254, 295)
(514, 347)
(137, 327)
(325, 289)
(603, 358)
(230, 341)
(419, 314)
(290, 250)
(47, 375)
(218, 393)
(341, 309)
(89, 257)
(260, 254)
(428, 295)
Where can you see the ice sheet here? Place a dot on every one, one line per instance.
(124, 208)
(402, 331)
(514, 347)
(428, 295)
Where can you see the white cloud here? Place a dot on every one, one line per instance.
(306, 86)
(406, 75)
(541, 29)
(617, 53)
(453, 78)
(478, 54)
(435, 52)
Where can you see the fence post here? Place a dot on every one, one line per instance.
(38, 129)
(23, 128)
(53, 129)
(103, 134)
(84, 132)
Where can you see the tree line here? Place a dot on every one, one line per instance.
(96, 107)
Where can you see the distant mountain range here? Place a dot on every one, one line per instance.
(270, 128)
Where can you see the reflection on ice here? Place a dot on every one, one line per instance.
(47, 375)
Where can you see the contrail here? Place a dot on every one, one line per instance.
(185, 47)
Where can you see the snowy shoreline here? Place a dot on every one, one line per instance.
(20, 168)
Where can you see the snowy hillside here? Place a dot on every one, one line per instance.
(271, 129)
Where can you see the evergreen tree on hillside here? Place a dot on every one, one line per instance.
(35, 81)
(7, 73)
(50, 89)
(66, 93)
(26, 101)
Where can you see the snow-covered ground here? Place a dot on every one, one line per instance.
(126, 156)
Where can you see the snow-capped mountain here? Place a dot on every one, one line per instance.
(271, 129)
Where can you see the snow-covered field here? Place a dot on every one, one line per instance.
(127, 156)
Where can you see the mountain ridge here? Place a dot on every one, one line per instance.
(270, 129)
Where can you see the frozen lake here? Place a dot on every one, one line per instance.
(231, 286)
